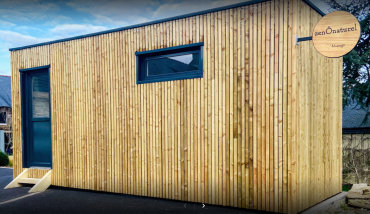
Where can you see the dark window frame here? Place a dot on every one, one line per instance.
(6, 119)
(144, 56)
(25, 103)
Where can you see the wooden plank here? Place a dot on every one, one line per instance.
(255, 111)
(14, 182)
(263, 106)
(119, 158)
(113, 110)
(161, 124)
(136, 111)
(145, 122)
(305, 148)
(285, 110)
(267, 105)
(280, 174)
(86, 98)
(250, 106)
(68, 106)
(95, 104)
(231, 107)
(208, 184)
(227, 106)
(213, 81)
(259, 105)
(199, 125)
(196, 150)
(293, 162)
(235, 108)
(42, 183)
(201, 119)
(272, 104)
(139, 128)
(105, 112)
(222, 108)
(177, 125)
(171, 126)
(28, 180)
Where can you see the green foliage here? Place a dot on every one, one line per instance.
(356, 64)
(343, 206)
(4, 160)
(346, 188)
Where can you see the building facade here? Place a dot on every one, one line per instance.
(256, 123)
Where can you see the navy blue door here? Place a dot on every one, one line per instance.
(37, 142)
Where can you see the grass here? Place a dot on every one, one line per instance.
(343, 206)
(346, 187)
(10, 161)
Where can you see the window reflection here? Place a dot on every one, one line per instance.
(40, 96)
(173, 64)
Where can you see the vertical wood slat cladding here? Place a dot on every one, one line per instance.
(260, 130)
(317, 115)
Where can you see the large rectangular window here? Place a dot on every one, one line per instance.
(174, 63)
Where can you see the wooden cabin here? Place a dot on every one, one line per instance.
(251, 119)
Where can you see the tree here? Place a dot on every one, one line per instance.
(356, 64)
(356, 157)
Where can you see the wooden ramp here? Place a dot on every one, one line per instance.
(40, 184)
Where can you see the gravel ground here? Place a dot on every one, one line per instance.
(340, 207)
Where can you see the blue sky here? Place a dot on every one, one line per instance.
(25, 22)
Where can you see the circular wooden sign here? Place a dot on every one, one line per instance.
(336, 34)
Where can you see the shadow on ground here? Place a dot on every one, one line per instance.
(67, 200)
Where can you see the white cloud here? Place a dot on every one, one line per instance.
(58, 19)
(4, 72)
(5, 63)
(11, 39)
(6, 24)
(27, 10)
(176, 8)
(14, 39)
(68, 30)
(21, 29)
(101, 19)
(116, 13)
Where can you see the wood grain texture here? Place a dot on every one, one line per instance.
(336, 34)
(259, 130)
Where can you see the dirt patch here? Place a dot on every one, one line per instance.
(356, 201)
(341, 207)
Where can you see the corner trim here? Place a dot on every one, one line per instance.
(365, 130)
(314, 7)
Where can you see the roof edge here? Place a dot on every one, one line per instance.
(158, 21)
(314, 7)
(362, 130)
